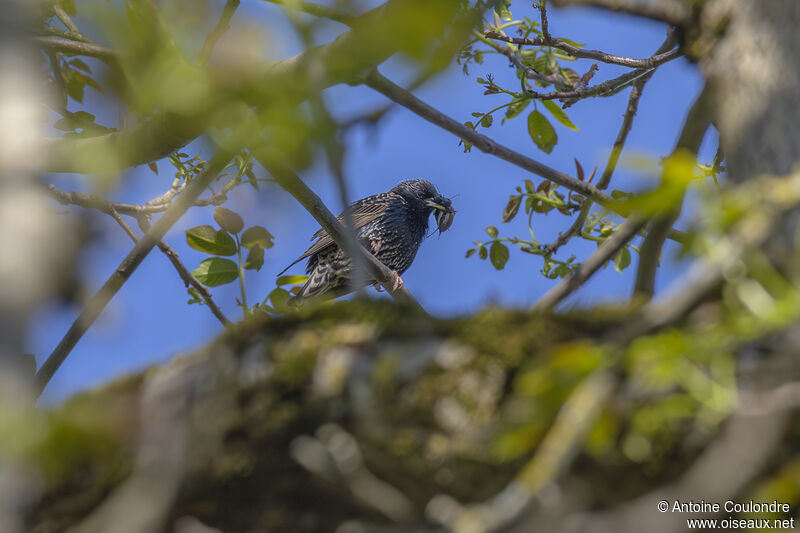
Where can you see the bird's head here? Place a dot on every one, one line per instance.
(423, 192)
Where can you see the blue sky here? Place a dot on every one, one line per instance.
(149, 321)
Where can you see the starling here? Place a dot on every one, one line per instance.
(391, 225)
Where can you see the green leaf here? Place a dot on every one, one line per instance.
(517, 106)
(279, 297)
(211, 241)
(85, 116)
(576, 44)
(257, 236)
(492, 231)
(499, 255)
(78, 63)
(69, 7)
(255, 259)
(65, 124)
(486, 121)
(619, 195)
(228, 220)
(529, 186)
(290, 280)
(622, 259)
(216, 271)
(559, 114)
(195, 297)
(471, 252)
(74, 85)
(483, 253)
(511, 208)
(541, 132)
(502, 10)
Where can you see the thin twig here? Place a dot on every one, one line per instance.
(188, 279)
(574, 229)
(124, 225)
(582, 53)
(222, 26)
(287, 179)
(123, 272)
(543, 15)
(623, 234)
(84, 48)
(159, 205)
(67, 21)
(401, 96)
(624, 130)
(140, 213)
(616, 150)
(64, 34)
(529, 72)
(673, 12)
(607, 88)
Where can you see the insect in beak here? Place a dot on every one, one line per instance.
(443, 212)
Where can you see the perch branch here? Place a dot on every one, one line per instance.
(287, 179)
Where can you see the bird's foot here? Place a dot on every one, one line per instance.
(397, 282)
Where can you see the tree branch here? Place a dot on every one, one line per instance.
(68, 23)
(78, 47)
(673, 12)
(697, 122)
(222, 26)
(616, 150)
(157, 205)
(123, 272)
(607, 88)
(582, 53)
(623, 234)
(401, 96)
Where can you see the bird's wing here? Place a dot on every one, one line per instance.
(362, 212)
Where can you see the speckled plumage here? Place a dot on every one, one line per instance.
(391, 225)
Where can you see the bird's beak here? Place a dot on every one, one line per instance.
(444, 214)
(434, 205)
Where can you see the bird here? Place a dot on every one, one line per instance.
(390, 225)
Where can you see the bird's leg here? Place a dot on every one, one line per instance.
(397, 282)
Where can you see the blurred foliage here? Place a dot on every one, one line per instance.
(458, 406)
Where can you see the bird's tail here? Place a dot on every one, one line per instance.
(319, 288)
